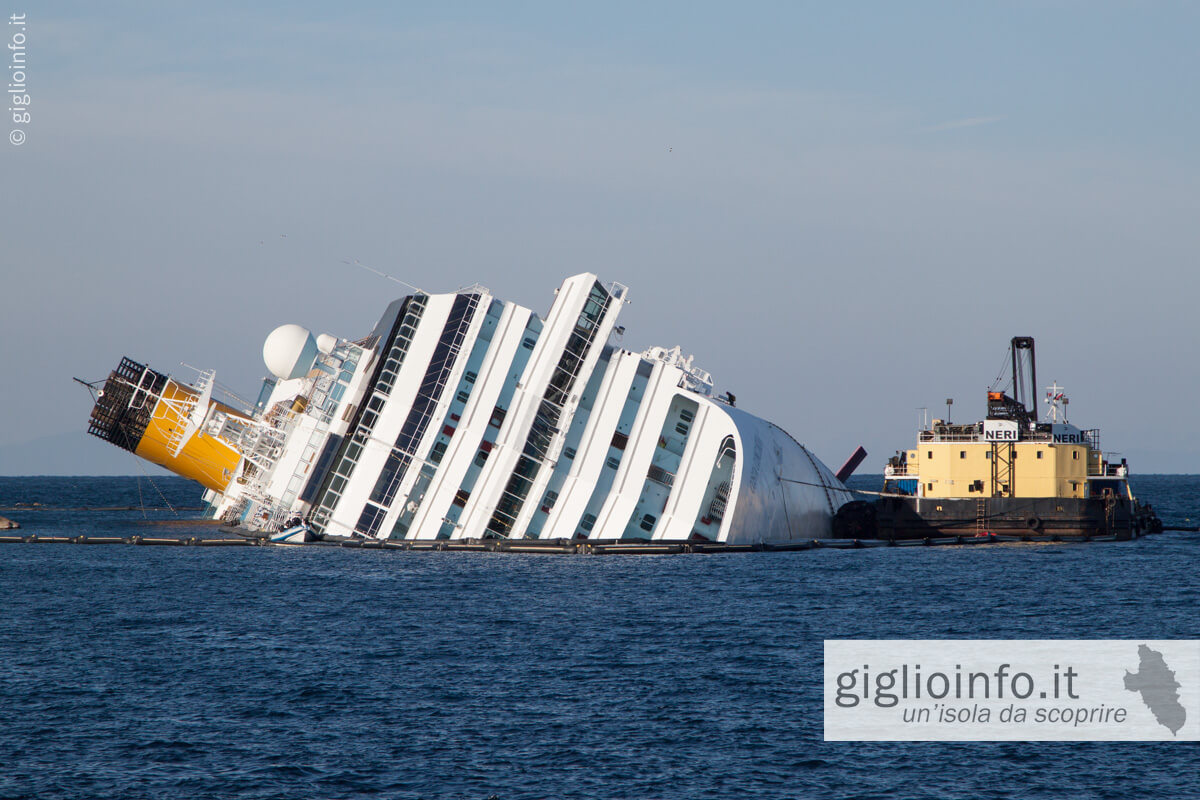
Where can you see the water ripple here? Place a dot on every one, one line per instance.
(263, 673)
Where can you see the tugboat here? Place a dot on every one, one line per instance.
(1009, 475)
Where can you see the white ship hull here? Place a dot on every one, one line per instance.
(465, 417)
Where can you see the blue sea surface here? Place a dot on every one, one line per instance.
(323, 672)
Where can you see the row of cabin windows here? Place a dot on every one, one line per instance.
(646, 523)
(419, 413)
(439, 447)
(549, 412)
(400, 344)
(963, 453)
(382, 388)
(619, 441)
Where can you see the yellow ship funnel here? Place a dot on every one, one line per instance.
(158, 419)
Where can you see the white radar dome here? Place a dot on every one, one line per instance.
(326, 342)
(290, 351)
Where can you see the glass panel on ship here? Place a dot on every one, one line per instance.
(549, 413)
(656, 489)
(351, 449)
(616, 450)
(566, 458)
(338, 368)
(450, 422)
(332, 374)
(450, 521)
(420, 414)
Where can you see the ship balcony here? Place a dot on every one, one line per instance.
(957, 436)
(1108, 470)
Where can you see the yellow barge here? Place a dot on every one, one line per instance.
(1010, 473)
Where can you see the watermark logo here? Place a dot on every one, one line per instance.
(998, 690)
(19, 101)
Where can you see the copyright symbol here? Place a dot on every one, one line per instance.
(17, 137)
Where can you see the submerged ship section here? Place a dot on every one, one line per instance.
(462, 416)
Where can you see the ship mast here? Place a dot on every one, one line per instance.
(1024, 374)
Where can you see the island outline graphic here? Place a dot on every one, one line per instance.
(1159, 688)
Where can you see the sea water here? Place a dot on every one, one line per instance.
(260, 672)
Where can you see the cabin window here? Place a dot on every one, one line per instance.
(929, 487)
(439, 450)
(962, 453)
(1039, 452)
(528, 344)
(681, 429)
(930, 454)
(463, 397)
(470, 377)
(647, 523)
(480, 458)
(1075, 454)
(612, 462)
(620, 440)
(686, 415)
(569, 452)
(988, 455)
(588, 521)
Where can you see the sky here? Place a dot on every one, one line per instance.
(843, 210)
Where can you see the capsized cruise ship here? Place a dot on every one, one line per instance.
(462, 416)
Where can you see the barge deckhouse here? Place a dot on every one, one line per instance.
(1009, 473)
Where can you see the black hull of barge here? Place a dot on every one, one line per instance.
(901, 518)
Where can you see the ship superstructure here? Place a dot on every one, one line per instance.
(462, 416)
(1009, 472)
